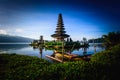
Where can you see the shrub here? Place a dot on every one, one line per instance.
(19, 67)
(108, 56)
(103, 66)
(102, 57)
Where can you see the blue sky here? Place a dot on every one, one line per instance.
(82, 18)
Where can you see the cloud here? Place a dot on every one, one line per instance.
(3, 32)
(19, 30)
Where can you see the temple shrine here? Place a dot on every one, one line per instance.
(60, 30)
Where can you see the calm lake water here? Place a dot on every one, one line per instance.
(25, 49)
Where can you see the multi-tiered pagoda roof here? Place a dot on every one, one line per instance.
(60, 30)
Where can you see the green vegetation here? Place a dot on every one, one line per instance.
(109, 56)
(19, 67)
(113, 38)
(68, 46)
(97, 40)
(103, 66)
(56, 44)
(52, 45)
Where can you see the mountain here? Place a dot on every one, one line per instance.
(13, 39)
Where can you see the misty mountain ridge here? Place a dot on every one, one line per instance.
(13, 39)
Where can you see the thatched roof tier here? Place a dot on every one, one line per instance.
(60, 35)
(60, 30)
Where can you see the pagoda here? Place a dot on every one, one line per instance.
(60, 30)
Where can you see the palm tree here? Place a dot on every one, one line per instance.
(113, 38)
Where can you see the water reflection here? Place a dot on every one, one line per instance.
(41, 52)
(66, 54)
(84, 51)
(7, 47)
(40, 48)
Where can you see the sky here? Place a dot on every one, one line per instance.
(82, 18)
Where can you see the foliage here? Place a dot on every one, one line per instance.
(18, 67)
(54, 43)
(97, 40)
(109, 56)
(113, 38)
(103, 66)
(116, 53)
(102, 57)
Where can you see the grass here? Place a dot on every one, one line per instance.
(20, 67)
(103, 66)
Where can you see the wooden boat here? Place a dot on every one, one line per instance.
(59, 57)
(54, 58)
(62, 56)
(66, 56)
(72, 57)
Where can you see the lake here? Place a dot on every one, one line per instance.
(25, 49)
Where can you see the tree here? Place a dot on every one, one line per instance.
(71, 40)
(113, 38)
(84, 40)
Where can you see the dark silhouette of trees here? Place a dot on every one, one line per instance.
(97, 40)
(113, 38)
(71, 40)
(84, 40)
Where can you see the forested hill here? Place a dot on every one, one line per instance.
(98, 40)
(13, 39)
